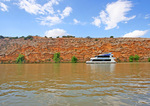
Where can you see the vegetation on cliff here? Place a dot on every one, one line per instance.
(131, 58)
(20, 59)
(74, 59)
(25, 38)
(148, 59)
(1, 37)
(28, 37)
(56, 57)
(68, 36)
(134, 58)
(111, 36)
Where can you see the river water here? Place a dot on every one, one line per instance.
(80, 84)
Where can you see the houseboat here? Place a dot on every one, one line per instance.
(102, 59)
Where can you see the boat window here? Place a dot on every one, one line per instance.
(101, 60)
(103, 56)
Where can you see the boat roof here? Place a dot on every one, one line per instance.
(108, 54)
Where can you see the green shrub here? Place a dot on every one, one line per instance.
(20, 58)
(56, 57)
(28, 37)
(2, 37)
(131, 58)
(2, 62)
(118, 60)
(96, 39)
(88, 37)
(49, 59)
(22, 37)
(136, 57)
(149, 59)
(68, 36)
(9, 62)
(13, 37)
(74, 59)
(111, 36)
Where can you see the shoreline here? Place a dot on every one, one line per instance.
(69, 62)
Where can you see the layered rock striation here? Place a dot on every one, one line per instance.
(42, 49)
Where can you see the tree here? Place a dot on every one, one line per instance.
(131, 58)
(148, 59)
(68, 36)
(22, 37)
(74, 59)
(28, 37)
(2, 37)
(88, 37)
(20, 58)
(13, 37)
(111, 36)
(96, 39)
(56, 57)
(136, 57)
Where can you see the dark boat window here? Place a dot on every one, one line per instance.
(102, 56)
(101, 60)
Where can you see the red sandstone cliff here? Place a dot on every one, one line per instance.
(42, 49)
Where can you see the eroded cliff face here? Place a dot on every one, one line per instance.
(42, 49)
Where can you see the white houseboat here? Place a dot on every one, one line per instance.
(102, 59)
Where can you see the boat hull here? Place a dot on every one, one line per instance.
(100, 62)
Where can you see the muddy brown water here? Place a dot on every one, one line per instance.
(80, 84)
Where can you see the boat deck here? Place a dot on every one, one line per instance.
(100, 62)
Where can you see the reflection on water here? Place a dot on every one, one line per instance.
(102, 67)
(75, 84)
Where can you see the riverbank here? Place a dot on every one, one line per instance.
(74, 63)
